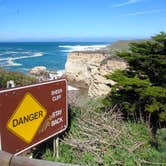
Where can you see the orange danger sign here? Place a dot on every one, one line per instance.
(32, 114)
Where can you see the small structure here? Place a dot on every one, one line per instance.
(10, 84)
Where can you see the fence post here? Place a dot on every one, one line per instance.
(56, 147)
(5, 158)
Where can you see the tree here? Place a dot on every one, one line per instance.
(141, 89)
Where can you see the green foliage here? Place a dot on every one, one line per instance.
(161, 38)
(88, 159)
(100, 137)
(67, 154)
(118, 142)
(19, 78)
(161, 139)
(49, 155)
(148, 58)
(141, 89)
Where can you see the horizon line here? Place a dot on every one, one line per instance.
(75, 40)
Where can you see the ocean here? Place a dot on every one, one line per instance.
(23, 56)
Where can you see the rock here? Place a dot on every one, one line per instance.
(88, 70)
(38, 70)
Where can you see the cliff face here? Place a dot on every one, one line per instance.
(88, 70)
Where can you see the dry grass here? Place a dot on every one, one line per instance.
(107, 138)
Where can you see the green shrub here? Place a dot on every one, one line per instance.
(140, 91)
(102, 138)
(19, 79)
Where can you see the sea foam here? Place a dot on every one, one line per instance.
(9, 61)
(81, 48)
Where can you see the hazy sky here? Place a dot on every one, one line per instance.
(30, 20)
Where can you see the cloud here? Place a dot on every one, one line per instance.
(129, 2)
(145, 12)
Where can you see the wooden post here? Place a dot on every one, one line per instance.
(56, 147)
(7, 159)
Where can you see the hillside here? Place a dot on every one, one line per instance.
(19, 79)
(87, 69)
(101, 133)
(121, 45)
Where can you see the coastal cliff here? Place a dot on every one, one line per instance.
(87, 70)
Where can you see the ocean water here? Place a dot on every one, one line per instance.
(22, 56)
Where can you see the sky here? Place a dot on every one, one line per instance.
(58, 20)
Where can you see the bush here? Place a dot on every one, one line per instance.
(102, 138)
(19, 79)
(140, 91)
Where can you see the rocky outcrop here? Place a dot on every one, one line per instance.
(38, 70)
(88, 70)
(43, 74)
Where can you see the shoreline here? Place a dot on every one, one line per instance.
(21, 57)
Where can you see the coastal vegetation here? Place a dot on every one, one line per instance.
(126, 127)
(19, 78)
(99, 137)
(140, 91)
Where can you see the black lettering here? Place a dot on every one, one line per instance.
(40, 114)
(26, 119)
(35, 116)
(21, 121)
(15, 122)
(31, 117)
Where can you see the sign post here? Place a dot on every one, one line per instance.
(32, 114)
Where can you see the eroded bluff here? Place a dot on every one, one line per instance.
(88, 70)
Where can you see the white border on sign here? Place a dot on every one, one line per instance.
(28, 86)
(0, 142)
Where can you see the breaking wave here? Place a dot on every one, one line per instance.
(81, 48)
(9, 61)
